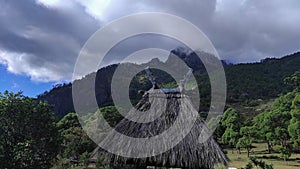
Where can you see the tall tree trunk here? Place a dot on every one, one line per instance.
(269, 147)
(239, 150)
(285, 159)
(248, 152)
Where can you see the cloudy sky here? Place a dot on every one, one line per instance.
(40, 39)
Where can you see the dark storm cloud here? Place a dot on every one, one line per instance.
(250, 30)
(241, 30)
(45, 38)
(42, 40)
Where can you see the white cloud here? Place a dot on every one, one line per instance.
(42, 38)
(95, 8)
(19, 63)
(55, 3)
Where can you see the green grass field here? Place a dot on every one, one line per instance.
(240, 160)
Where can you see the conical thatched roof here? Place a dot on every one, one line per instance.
(187, 153)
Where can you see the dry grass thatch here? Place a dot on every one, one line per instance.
(188, 153)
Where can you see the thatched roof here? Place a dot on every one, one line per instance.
(188, 153)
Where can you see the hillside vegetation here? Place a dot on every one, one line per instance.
(247, 83)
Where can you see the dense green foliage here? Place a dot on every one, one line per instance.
(277, 126)
(29, 137)
(258, 164)
(231, 121)
(246, 139)
(294, 80)
(75, 140)
(294, 126)
(75, 144)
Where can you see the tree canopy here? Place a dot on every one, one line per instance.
(29, 137)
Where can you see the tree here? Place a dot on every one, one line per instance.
(294, 80)
(75, 140)
(215, 122)
(294, 127)
(111, 115)
(262, 127)
(68, 121)
(230, 137)
(231, 120)
(258, 163)
(231, 117)
(246, 140)
(285, 153)
(281, 112)
(272, 125)
(84, 158)
(28, 134)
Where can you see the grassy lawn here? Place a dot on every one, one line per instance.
(240, 160)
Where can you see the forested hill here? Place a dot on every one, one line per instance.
(245, 82)
(262, 80)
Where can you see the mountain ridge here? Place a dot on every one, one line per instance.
(245, 81)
